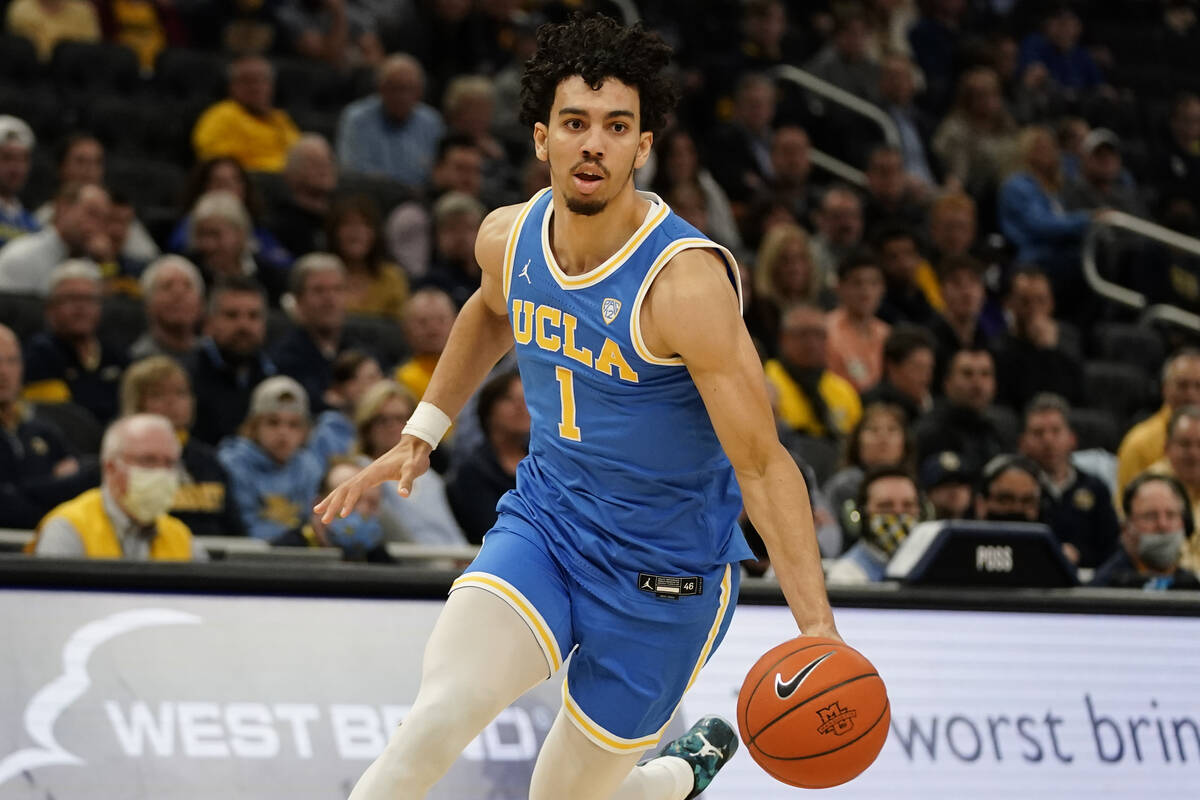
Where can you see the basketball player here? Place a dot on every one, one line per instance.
(648, 409)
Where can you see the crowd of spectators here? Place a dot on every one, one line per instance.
(931, 346)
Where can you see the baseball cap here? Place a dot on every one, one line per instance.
(942, 468)
(1100, 137)
(15, 129)
(277, 394)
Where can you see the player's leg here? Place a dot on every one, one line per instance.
(480, 657)
(571, 765)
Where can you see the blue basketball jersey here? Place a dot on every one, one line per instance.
(624, 469)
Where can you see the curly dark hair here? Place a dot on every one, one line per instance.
(595, 48)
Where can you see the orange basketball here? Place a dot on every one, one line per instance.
(813, 712)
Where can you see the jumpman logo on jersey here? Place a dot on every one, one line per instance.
(524, 273)
(708, 749)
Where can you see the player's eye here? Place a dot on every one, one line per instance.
(619, 127)
(574, 124)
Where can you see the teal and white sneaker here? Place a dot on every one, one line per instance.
(706, 747)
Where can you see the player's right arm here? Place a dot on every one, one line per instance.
(480, 337)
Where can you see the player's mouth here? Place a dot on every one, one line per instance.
(588, 179)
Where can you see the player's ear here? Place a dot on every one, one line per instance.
(645, 143)
(540, 133)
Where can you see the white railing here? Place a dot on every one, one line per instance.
(1157, 312)
(838, 95)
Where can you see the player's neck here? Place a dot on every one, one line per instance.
(581, 243)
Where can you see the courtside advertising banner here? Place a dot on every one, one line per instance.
(130, 695)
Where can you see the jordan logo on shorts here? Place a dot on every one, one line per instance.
(673, 587)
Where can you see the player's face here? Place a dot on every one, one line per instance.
(593, 142)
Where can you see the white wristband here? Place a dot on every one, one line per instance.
(428, 423)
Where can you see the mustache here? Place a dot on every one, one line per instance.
(595, 163)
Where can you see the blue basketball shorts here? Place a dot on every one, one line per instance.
(635, 652)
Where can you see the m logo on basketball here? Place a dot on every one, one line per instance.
(835, 719)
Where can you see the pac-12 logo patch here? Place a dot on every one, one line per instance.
(609, 309)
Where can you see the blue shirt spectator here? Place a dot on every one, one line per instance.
(1057, 49)
(392, 132)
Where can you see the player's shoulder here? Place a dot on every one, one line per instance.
(493, 235)
(696, 275)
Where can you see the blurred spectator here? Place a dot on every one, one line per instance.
(428, 317)
(127, 516)
(878, 440)
(1079, 507)
(1010, 490)
(446, 37)
(81, 161)
(220, 244)
(678, 163)
(844, 62)
(811, 400)
(790, 183)
(456, 220)
(341, 33)
(896, 91)
(935, 42)
(307, 351)
(1099, 183)
(1181, 458)
(16, 158)
(311, 176)
(38, 467)
(230, 360)
(409, 228)
(1038, 353)
(1054, 54)
(203, 500)
(739, 152)
(959, 324)
(912, 293)
(948, 485)
(277, 463)
(359, 534)
(892, 196)
(352, 374)
(965, 421)
(48, 22)
(977, 141)
(783, 276)
(1175, 168)
(888, 23)
(908, 360)
(247, 126)
(468, 107)
(481, 477)
(839, 228)
(111, 251)
(1145, 443)
(392, 132)
(144, 26)
(424, 516)
(953, 225)
(77, 231)
(1032, 217)
(69, 361)
(1157, 522)
(173, 294)
(854, 346)
(226, 174)
(374, 285)
(889, 507)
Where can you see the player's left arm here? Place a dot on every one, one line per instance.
(692, 311)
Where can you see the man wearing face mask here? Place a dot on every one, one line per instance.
(1157, 519)
(1010, 490)
(127, 516)
(889, 507)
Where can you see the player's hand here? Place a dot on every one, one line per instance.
(404, 463)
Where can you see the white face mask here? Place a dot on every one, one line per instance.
(150, 492)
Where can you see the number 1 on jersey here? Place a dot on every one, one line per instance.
(566, 391)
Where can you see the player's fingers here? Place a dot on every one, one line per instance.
(350, 500)
(329, 506)
(408, 474)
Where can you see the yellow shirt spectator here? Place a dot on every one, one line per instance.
(415, 373)
(73, 21)
(1142, 446)
(260, 144)
(797, 412)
